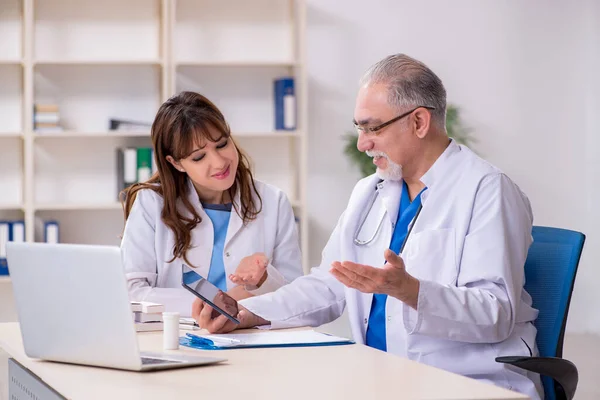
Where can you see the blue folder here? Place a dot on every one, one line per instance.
(209, 342)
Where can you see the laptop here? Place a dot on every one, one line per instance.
(74, 307)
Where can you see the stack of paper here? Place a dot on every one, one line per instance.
(147, 316)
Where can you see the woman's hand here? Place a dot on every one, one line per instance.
(252, 270)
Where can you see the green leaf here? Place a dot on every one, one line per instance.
(362, 160)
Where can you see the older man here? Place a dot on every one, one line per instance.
(429, 254)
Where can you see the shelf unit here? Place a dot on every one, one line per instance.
(122, 59)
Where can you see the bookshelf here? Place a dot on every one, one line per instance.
(121, 59)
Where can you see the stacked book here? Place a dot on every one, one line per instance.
(147, 316)
(46, 118)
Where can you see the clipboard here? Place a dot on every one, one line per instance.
(305, 338)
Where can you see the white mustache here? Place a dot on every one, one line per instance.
(373, 154)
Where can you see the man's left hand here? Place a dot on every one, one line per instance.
(392, 279)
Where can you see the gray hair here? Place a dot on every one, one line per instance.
(411, 83)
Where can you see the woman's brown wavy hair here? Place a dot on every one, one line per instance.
(179, 124)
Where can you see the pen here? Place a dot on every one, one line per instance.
(212, 340)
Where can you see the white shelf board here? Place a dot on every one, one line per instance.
(11, 135)
(95, 206)
(78, 206)
(237, 64)
(11, 62)
(75, 134)
(4, 279)
(273, 134)
(11, 207)
(97, 62)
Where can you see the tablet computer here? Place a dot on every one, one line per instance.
(220, 301)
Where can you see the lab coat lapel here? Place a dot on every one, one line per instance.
(202, 239)
(235, 221)
(389, 192)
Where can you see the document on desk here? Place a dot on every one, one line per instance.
(305, 338)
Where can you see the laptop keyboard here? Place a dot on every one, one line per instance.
(151, 361)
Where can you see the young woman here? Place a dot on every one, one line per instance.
(204, 209)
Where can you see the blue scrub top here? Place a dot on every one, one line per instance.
(376, 329)
(219, 215)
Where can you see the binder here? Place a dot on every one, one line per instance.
(51, 232)
(4, 238)
(126, 168)
(144, 164)
(285, 104)
(17, 233)
(305, 338)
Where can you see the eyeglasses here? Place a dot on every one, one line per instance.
(374, 129)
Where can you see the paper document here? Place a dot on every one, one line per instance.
(264, 339)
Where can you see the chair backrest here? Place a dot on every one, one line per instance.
(550, 272)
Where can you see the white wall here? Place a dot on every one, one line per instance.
(525, 76)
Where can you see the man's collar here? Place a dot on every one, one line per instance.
(439, 168)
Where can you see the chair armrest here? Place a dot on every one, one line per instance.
(564, 372)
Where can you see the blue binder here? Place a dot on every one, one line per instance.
(285, 104)
(17, 231)
(5, 236)
(211, 342)
(51, 232)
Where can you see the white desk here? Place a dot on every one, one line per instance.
(338, 372)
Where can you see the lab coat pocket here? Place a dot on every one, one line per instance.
(430, 255)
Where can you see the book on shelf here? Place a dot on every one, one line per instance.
(134, 165)
(128, 126)
(4, 238)
(144, 164)
(285, 104)
(17, 231)
(49, 130)
(10, 231)
(45, 108)
(51, 232)
(46, 118)
(126, 168)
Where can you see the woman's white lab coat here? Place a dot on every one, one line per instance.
(467, 248)
(147, 247)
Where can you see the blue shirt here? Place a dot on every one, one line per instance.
(376, 328)
(219, 215)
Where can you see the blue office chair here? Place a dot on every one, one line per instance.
(550, 271)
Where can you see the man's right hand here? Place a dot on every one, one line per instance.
(202, 312)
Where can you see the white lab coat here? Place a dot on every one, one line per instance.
(467, 247)
(147, 247)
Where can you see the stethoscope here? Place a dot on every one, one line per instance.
(359, 242)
